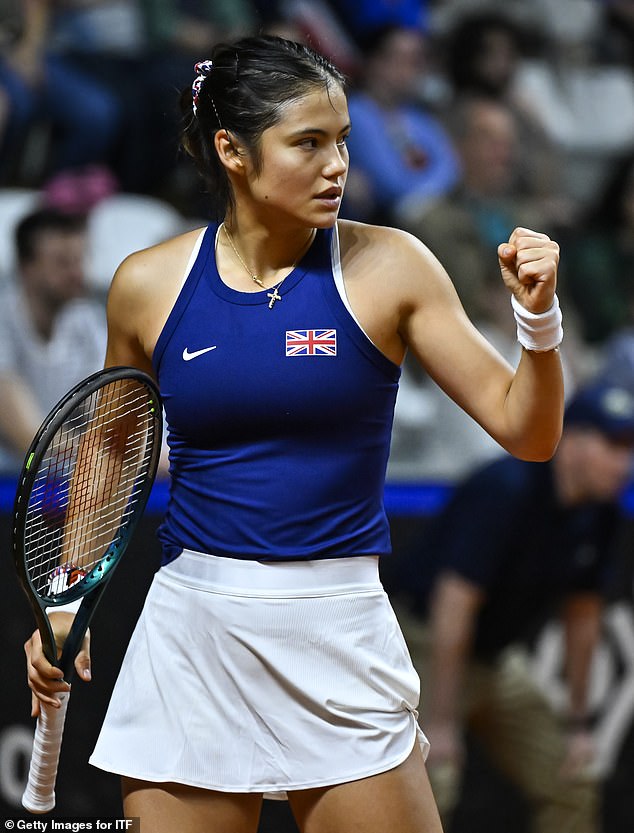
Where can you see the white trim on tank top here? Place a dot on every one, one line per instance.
(335, 254)
(337, 271)
(192, 257)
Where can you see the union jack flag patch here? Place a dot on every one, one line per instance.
(311, 342)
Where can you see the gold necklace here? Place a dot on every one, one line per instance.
(273, 294)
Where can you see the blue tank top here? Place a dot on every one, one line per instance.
(279, 419)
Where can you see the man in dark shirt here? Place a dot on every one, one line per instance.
(516, 543)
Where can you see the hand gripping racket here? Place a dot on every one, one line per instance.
(82, 489)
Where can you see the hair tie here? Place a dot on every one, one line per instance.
(202, 70)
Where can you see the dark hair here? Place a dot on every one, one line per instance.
(32, 227)
(244, 93)
(465, 45)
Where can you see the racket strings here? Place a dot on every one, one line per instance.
(87, 484)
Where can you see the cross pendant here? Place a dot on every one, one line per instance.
(274, 296)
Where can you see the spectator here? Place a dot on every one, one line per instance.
(484, 51)
(188, 27)
(41, 86)
(584, 105)
(617, 361)
(143, 52)
(177, 33)
(403, 151)
(517, 542)
(360, 17)
(105, 40)
(461, 226)
(316, 22)
(51, 334)
(601, 258)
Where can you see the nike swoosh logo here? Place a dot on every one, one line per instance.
(187, 356)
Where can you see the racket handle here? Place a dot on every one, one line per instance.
(39, 795)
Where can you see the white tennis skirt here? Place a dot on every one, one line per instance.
(246, 676)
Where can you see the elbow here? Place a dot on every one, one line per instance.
(539, 450)
(539, 456)
(536, 437)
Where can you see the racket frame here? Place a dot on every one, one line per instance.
(90, 588)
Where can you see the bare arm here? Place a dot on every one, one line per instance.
(20, 415)
(125, 310)
(522, 409)
(582, 628)
(454, 606)
(141, 297)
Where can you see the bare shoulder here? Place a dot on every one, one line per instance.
(391, 279)
(142, 294)
(383, 252)
(360, 237)
(153, 271)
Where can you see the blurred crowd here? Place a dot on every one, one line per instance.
(470, 117)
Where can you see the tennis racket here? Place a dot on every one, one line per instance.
(82, 489)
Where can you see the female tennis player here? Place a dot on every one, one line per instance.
(267, 659)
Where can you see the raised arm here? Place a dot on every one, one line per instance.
(521, 409)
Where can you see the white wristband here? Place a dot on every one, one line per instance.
(69, 607)
(539, 332)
